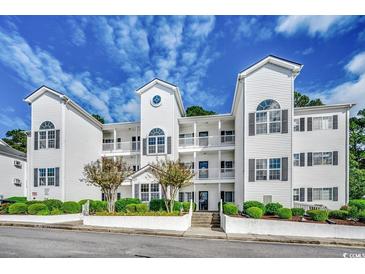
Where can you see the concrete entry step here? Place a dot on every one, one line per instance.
(205, 219)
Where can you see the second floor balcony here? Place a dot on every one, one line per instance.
(207, 141)
(128, 147)
(214, 173)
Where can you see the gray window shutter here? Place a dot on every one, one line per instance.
(309, 159)
(35, 177)
(57, 138)
(335, 122)
(284, 169)
(335, 194)
(302, 159)
(301, 194)
(309, 124)
(136, 191)
(335, 158)
(251, 170)
(284, 121)
(35, 140)
(309, 194)
(57, 174)
(251, 124)
(302, 124)
(169, 145)
(144, 149)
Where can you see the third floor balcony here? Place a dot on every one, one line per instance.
(128, 147)
(207, 141)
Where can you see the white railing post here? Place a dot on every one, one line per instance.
(221, 208)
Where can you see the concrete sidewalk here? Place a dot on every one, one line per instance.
(197, 232)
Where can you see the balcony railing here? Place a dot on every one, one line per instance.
(214, 173)
(134, 146)
(208, 141)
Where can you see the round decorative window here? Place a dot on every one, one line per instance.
(156, 100)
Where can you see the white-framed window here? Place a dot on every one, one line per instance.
(155, 191)
(296, 159)
(274, 168)
(42, 176)
(325, 122)
(156, 141)
(227, 136)
(268, 117)
(296, 125)
(46, 176)
(296, 194)
(185, 196)
(46, 135)
(322, 158)
(324, 194)
(261, 169)
(228, 196)
(145, 189)
(51, 176)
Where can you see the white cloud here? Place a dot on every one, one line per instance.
(12, 122)
(78, 36)
(308, 51)
(322, 26)
(252, 28)
(352, 91)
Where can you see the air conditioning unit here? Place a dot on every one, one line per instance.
(17, 163)
(17, 182)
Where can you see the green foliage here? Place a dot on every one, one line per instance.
(338, 214)
(354, 213)
(99, 118)
(18, 208)
(186, 206)
(17, 199)
(177, 206)
(82, 202)
(120, 205)
(272, 208)
(44, 212)
(71, 207)
(361, 216)
(4, 208)
(53, 203)
(98, 206)
(230, 209)
(157, 205)
(249, 204)
(285, 213)
(255, 212)
(131, 208)
(35, 208)
(318, 215)
(148, 213)
(198, 111)
(345, 207)
(17, 139)
(359, 204)
(301, 100)
(56, 211)
(297, 211)
(141, 207)
(32, 202)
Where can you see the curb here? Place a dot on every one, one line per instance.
(182, 234)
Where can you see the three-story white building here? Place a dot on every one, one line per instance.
(265, 149)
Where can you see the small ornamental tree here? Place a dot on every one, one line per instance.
(107, 174)
(172, 176)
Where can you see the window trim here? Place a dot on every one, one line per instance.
(321, 189)
(330, 123)
(295, 160)
(296, 194)
(323, 162)
(156, 144)
(268, 122)
(268, 169)
(46, 176)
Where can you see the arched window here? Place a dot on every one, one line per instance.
(47, 135)
(156, 141)
(46, 125)
(268, 117)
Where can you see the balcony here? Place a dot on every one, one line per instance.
(214, 173)
(208, 141)
(132, 146)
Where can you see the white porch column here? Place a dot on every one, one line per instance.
(132, 189)
(195, 165)
(219, 163)
(194, 193)
(115, 139)
(219, 192)
(219, 131)
(195, 135)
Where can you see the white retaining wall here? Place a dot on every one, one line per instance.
(50, 219)
(287, 228)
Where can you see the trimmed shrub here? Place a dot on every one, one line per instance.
(157, 205)
(361, 216)
(249, 204)
(18, 208)
(141, 207)
(71, 207)
(230, 209)
(285, 213)
(345, 207)
(297, 211)
(53, 203)
(131, 208)
(318, 215)
(43, 212)
(338, 214)
(177, 206)
(56, 211)
(353, 212)
(98, 206)
(255, 212)
(32, 202)
(82, 202)
(272, 208)
(35, 208)
(186, 206)
(17, 199)
(120, 205)
(359, 204)
(4, 208)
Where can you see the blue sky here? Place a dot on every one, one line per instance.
(100, 61)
